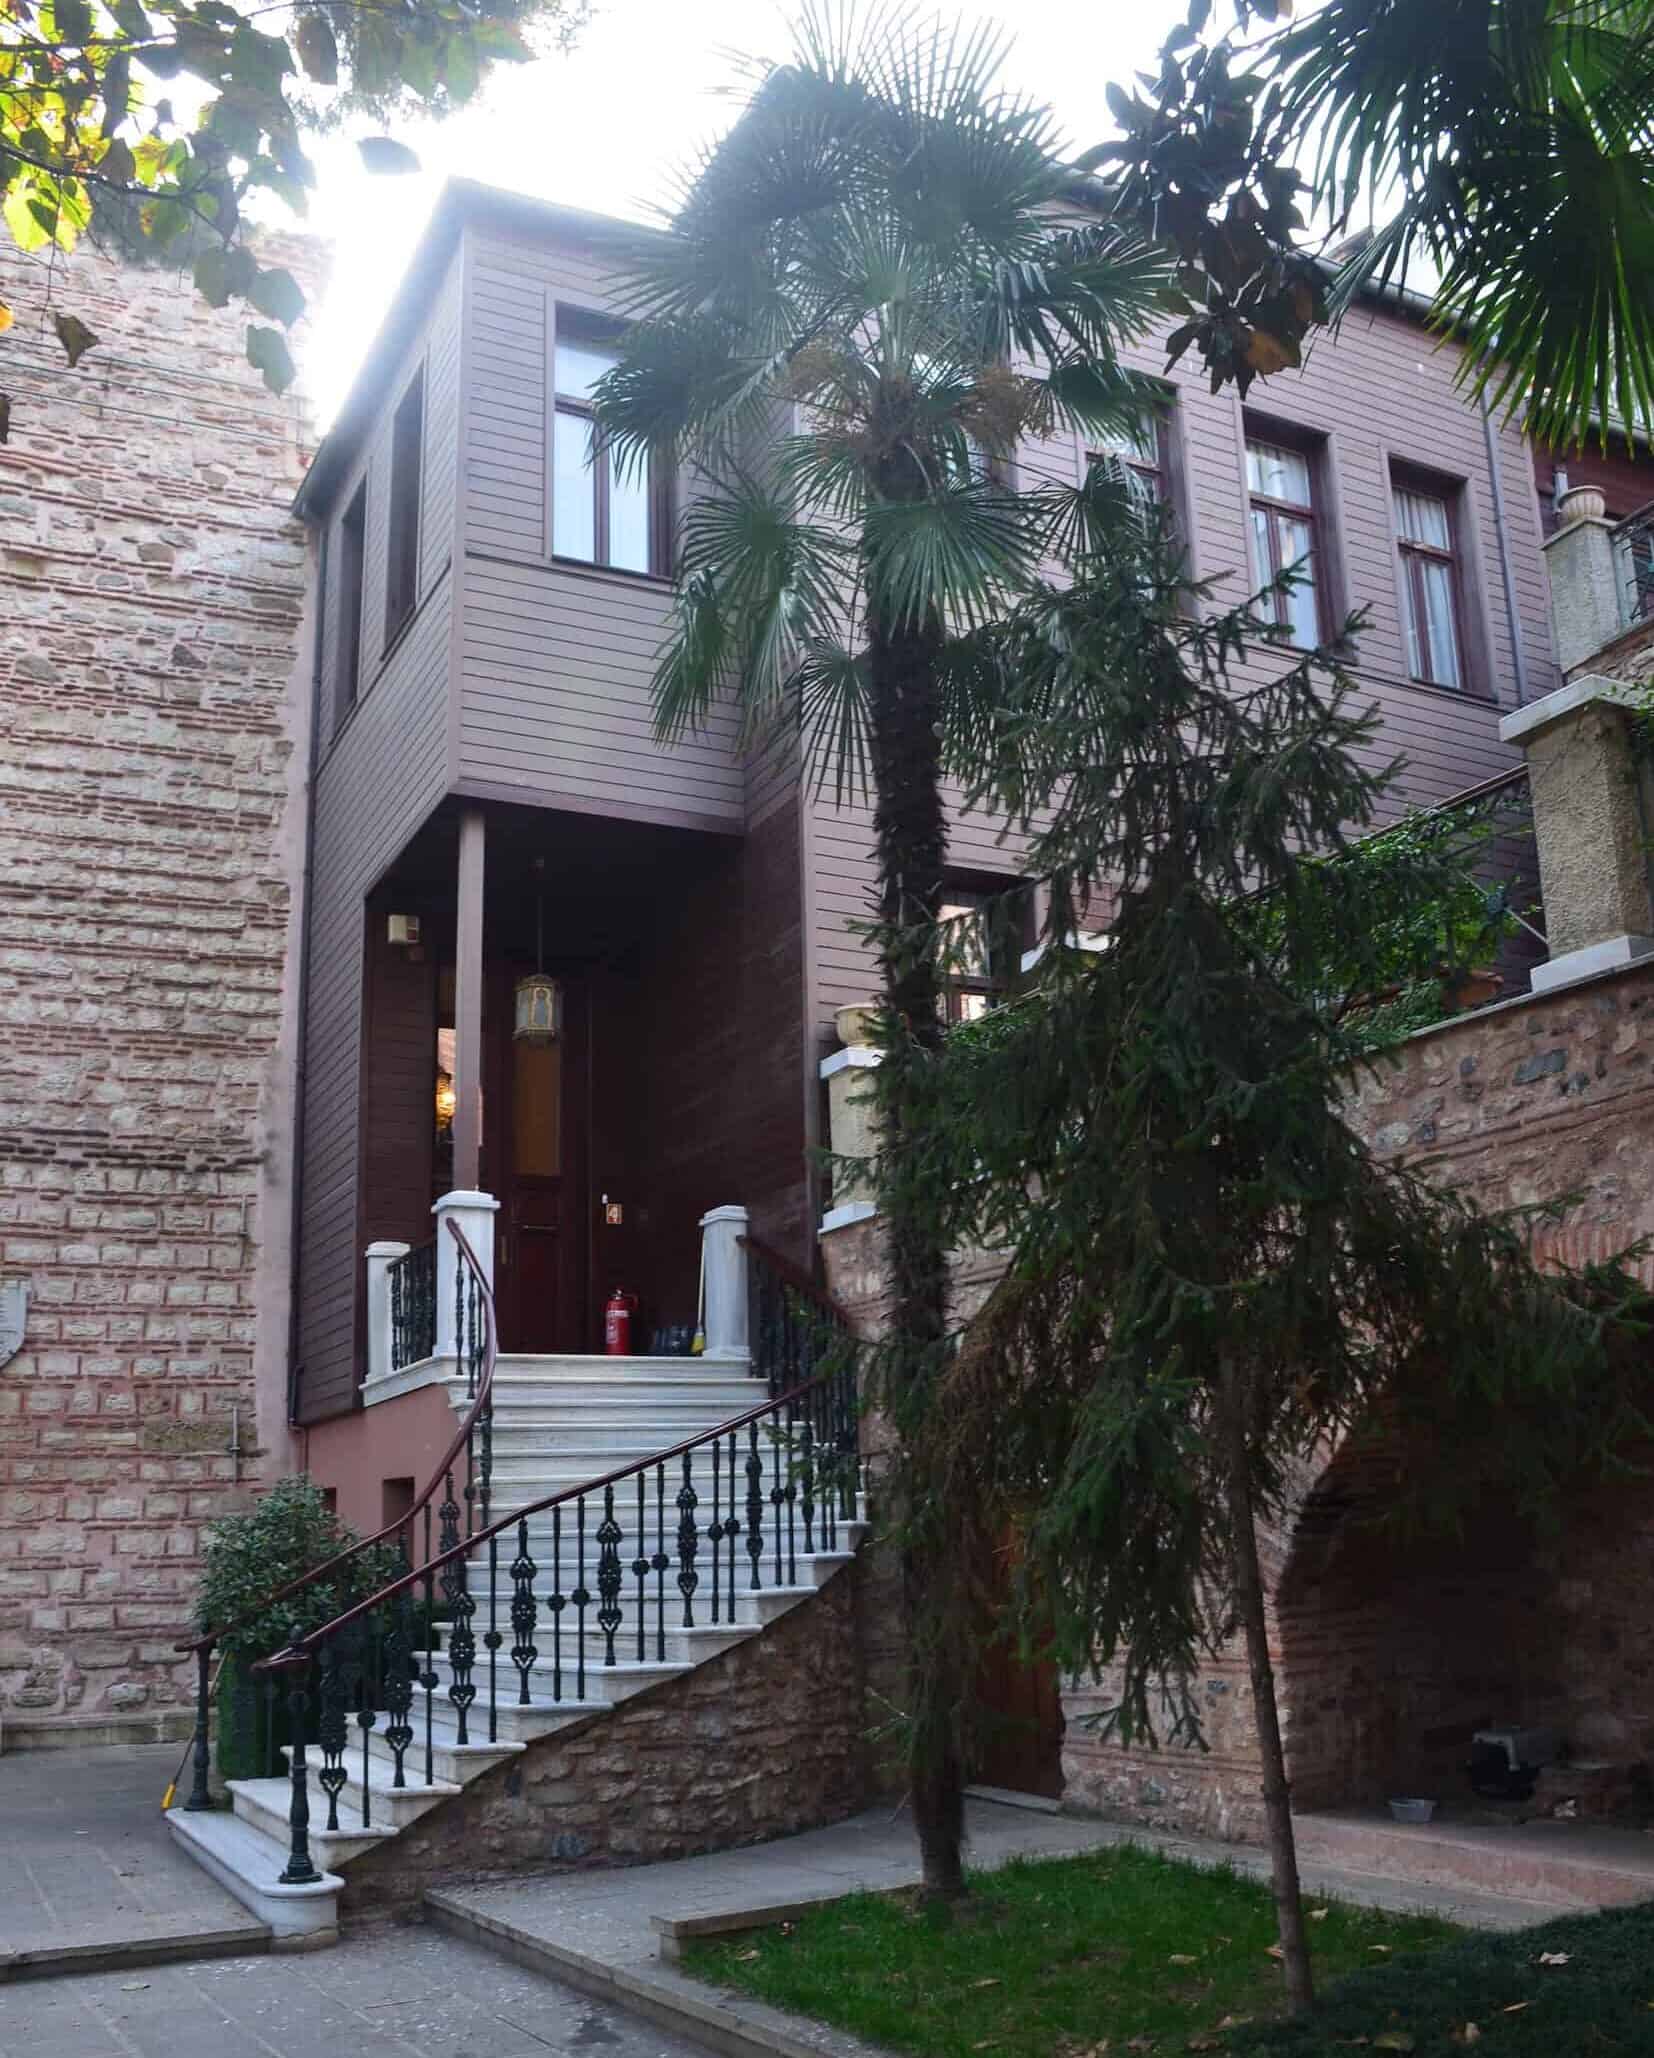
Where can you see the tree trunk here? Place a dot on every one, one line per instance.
(911, 842)
(1249, 1605)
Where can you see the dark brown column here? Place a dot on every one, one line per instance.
(468, 1003)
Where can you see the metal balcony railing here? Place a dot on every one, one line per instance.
(1633, 541)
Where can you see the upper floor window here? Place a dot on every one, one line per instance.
(1140, 455)
(402, 537)
(1427, 538)
(1285, 532)
(353, 526)
(600, 513)
(983, 934)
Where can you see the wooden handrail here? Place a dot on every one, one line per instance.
(797, 1278)
(461, 1437)
(299, 1653)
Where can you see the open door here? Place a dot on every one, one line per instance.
(539, 1247)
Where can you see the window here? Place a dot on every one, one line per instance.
(1425, 537)
(1142, 458)
(1280, 487)
(352, 536)
(983, 936)
(402, 543)
(598, 513)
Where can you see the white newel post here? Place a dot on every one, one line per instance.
(726, 1282)
(380, 1257)
(474, 1212)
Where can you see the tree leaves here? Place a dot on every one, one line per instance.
(74, 335)
(267, 351)
(384, 156)
(318, 51)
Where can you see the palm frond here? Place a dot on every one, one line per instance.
(958, 555)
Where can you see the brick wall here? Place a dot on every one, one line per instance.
(151, 841)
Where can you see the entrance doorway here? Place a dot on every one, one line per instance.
(538, 1140)
(1020, 1702)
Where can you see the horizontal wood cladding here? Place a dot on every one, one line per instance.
(386, 773)
(555, 669)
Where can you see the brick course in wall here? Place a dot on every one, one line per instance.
(152, 692)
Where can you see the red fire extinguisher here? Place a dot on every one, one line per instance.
(618, 1310)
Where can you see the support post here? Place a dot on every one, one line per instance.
(468, 1004)
(301, 1869)
(725, 1262)
(474, 1212)
(380, 1258)
(200, 1791)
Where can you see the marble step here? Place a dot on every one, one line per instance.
(248, 1863)
(389, 1806)
(265, 1802)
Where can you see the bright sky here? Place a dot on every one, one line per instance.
(606, 126)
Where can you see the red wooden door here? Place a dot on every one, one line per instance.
(539, 1247)
(1021, 1703)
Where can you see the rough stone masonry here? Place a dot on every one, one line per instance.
(151, 849)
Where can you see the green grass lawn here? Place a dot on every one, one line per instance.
(1121, 1951)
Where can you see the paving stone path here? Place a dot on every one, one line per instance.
(402, 1993)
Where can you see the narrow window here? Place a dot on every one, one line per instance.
(402, 542)
(352, 536)
(599, 513)
(984, 930)
(1284, 522)
(1426, 538)
(1140, 456)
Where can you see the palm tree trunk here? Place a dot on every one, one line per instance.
(1249, 1605)
(910, 837)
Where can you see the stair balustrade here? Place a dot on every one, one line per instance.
(462, 1476)
(636, 1570)
(412, 1282)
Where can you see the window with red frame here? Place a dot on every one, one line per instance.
(1427, 539)
(1284, 528)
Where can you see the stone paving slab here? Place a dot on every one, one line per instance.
(393, 1993)
(600, 1929)
(89, 1873)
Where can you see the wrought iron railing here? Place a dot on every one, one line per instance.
(412, 1282)
(1633, 541)
(610, 1573)
(467, 1460)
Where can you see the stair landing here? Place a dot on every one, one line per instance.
(1566, 1866)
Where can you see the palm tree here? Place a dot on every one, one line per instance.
(871, 291)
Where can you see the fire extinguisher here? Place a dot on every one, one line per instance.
(618, 1310)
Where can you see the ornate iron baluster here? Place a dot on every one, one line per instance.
(557, 1604)
(524, 1611)
(299, 1870)
(428, 1678)
(688, 1544)
(807, 1474)
(581, 1598)
(640, 1572)
(659, 1562)
(333, 1730)
(462, 1645)
(608, 1575)
(755, 1505)
(778, 1491)
(715, 1531)
(367, 1707)
(790, 1484)
(398, 1661)
(493, 1640)
(732, 1528)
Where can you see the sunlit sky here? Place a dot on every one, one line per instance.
(606, 126)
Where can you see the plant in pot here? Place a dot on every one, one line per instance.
(290, 1531)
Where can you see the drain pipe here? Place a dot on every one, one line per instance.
(300, 1055)
(1501, 533)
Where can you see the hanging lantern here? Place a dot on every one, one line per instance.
(539, 1009)
(539, 1017)
(446, 1102)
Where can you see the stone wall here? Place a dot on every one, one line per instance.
(1386, 1658)
(152, 689)
(764, 1741)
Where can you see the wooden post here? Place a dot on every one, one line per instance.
(468, 1003)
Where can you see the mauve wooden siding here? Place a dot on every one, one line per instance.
(381, 774)
(1380, 393)
(556, 659)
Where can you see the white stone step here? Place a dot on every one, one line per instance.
(265, 1802)
(608, 1684)
(249, 1864)
(390, 1807)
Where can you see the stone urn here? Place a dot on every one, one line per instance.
(855, 1023)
